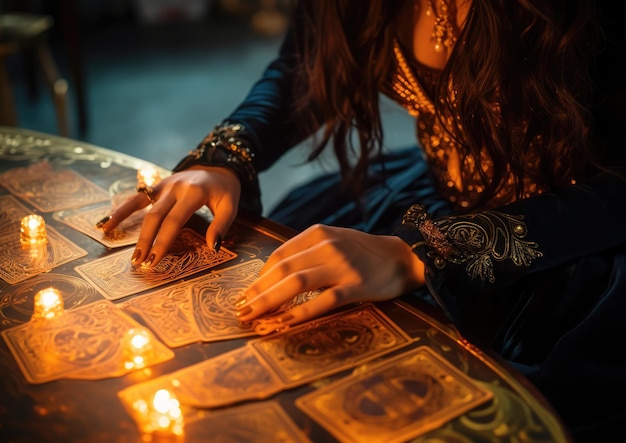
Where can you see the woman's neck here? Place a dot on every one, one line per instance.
(428, 29)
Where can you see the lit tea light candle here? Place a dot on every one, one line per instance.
(48, 304)
(137, 348)
(33, 230)
(147, 176)
(163, 415)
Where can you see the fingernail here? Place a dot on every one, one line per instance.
(150, 259)
(217, 245)
(241, 302)
(103, 222)
(244, 311)
(135, 256)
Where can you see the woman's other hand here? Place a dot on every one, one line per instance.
(348, 265)
(176, 198)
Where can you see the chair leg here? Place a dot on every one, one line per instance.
(8, 112)
(60, 103)
(71, 35)
(58, 88)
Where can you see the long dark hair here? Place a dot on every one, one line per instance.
(520, 71)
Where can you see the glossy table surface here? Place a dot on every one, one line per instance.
(71, 410)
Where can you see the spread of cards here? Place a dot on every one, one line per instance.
(364, 378)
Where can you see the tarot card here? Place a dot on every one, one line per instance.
(223, 380)
(19, 263)
(11, 213)
(84, 220)
(396, 400)
(328, 345)
(114, 276)
(260, 422)
(168, 313)
(50, 189)
(85, 343)
(202, 309)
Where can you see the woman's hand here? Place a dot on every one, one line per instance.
(350, 266)
(176, 198)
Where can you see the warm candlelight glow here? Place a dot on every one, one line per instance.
(33, 230)
(137, 348)
(148, 176)
(48, 304)
(162, 415)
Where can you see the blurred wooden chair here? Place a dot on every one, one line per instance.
(21, 34)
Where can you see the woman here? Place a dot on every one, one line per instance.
(506, 214)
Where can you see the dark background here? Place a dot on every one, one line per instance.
(157, 75)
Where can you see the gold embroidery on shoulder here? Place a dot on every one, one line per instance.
(487, 237)
(478, 240)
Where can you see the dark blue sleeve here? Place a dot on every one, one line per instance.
(486, 250)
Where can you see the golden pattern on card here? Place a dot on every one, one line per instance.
(228, 378)
(328, 345)
(85, 343)
(396, 400)
(168, 313)
(84, 220)
(11, 213)
(115, 277)
(203, 308)
(19, 263)
(49, 189)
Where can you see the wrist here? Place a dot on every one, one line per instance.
(411, 263)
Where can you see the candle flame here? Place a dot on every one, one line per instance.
(32, 230)
(48, 303)
(139, 341)
(162, 414)
(147, 176)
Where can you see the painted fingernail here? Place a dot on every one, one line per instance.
(103, 222)
(244, 311)
(150, 259)
(217, 245)
(135, 256)
(241, 302)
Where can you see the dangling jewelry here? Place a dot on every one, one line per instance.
(443, 33)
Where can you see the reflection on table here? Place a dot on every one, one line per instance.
(95, 349)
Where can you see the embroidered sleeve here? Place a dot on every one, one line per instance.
(476, 246)
(495, 255)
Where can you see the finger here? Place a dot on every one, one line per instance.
(325, 302)
(224, 213)
(169, 218)
(296, 264)
(271, 291)
(132, 204)
(308, 239)
(147, 250)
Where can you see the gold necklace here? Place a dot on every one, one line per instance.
(443, 35)
(409, 88)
